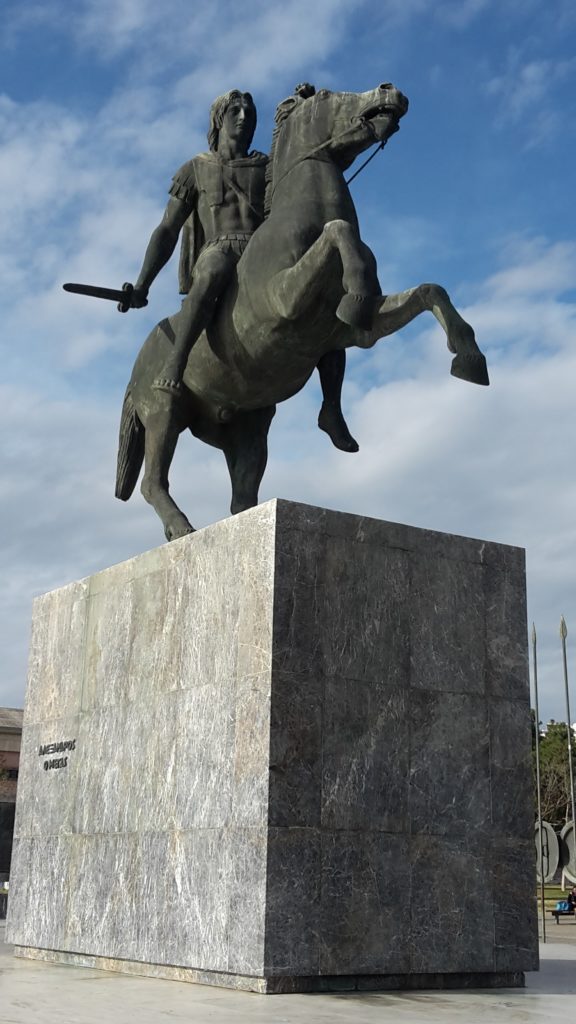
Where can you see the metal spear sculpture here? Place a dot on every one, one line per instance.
(538, 787)
(563, 635)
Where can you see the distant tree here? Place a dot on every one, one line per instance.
(554, 772)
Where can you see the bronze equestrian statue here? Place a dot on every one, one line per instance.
(299, 291)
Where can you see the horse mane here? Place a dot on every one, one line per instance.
(283, 110)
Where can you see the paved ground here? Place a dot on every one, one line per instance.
(37, 993)
(564, 931)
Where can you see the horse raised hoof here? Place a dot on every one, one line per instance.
(356, 311)
(472, 368)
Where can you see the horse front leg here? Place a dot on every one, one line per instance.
(162, 432)
(395, 311)
(293, 290)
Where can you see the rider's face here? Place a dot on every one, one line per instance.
(239, 121)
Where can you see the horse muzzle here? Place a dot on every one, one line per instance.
(385, 101)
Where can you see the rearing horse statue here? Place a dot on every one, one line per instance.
(305, 285)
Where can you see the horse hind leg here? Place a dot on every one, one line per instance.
(245, 446)
(162, 432)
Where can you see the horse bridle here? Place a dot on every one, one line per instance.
(363, 120)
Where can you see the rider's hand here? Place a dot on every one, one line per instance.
(139, 298)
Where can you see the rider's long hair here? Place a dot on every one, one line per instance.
(217, 111)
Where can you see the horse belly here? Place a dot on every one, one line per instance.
(264, 370)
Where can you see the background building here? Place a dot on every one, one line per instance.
(10, 738)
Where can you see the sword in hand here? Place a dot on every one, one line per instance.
(127, 298)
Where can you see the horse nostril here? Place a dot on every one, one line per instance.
(385, 85)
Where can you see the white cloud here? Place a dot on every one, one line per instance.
(459, 13)
(535, 268)
(526, 92)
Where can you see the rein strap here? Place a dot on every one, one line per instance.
(323, 145)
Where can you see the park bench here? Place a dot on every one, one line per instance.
(557, 913)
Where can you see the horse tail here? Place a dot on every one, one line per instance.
(130, 449)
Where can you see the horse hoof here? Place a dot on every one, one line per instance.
(472, 368)
(176, 532)
(356, 311)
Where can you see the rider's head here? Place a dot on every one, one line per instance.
(230, 100)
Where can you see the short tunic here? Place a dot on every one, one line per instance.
(204, 174)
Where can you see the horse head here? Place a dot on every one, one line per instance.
(332, 125)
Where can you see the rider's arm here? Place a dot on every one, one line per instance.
(160, 247)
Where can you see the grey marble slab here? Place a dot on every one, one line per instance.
(447, 607)
(515, 917)
(39, 877)
(293, 902)
(510, 767)
(363, 928)
(296, 727)
(365, 755)
(452, 907)
(450, 783)
(364, 623)
(48, 779)
(247, 895)
(57, 651)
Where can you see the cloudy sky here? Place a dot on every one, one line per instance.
(101, 101)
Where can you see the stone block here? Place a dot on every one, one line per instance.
(297, 758)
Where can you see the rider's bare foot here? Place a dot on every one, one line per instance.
(167, 384)
(332, 422)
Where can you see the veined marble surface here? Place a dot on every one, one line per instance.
(297, 744)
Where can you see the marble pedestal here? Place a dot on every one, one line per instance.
(288, 752)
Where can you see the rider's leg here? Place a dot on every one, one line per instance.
(331, 369)
(211, 275)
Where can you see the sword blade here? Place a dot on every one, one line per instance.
(113, 294)
(121, 296)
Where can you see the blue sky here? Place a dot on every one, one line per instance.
(101, 102)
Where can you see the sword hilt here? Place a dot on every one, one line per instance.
(125, 304)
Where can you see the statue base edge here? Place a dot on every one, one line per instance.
(281, 984)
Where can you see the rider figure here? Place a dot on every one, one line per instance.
(217, 202)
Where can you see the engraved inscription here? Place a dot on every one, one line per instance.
(56, 748)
